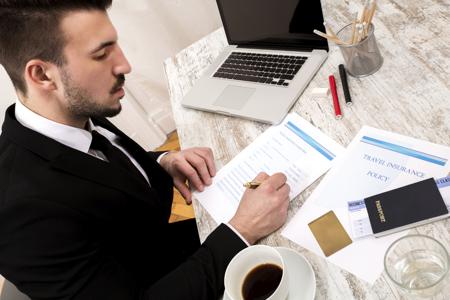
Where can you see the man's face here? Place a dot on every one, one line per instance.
(93, 74)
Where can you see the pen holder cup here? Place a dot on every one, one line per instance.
(362, 58)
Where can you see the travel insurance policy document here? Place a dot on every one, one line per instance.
(374, 162)
(295, 147)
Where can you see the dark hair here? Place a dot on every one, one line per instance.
(30, 29)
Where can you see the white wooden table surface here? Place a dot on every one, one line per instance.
(409, 95)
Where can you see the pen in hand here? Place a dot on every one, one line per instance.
(252, 184)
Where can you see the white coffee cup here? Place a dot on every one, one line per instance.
(247, 260)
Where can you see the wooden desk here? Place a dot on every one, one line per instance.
(409, 95)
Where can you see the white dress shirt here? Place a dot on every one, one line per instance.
(73, 137)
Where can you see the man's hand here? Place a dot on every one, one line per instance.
(196, 165)
(264, 209)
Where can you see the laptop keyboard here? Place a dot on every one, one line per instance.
(263, 68)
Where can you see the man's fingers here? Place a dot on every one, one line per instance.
(208, 156)
(261, 177)
(184, 190)
(191, 174)
(200, 165)
(277, 180)
(284, 190)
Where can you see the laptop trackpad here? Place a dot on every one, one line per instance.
(234, 97)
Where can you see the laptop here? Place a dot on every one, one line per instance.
(273, 55)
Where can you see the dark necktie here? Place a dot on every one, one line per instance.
(115, 156)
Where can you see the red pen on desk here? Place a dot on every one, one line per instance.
(337, 107)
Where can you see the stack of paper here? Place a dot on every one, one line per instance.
(374, 162)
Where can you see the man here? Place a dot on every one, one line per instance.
(83, 209)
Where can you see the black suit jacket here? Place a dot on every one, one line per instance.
(74, 227)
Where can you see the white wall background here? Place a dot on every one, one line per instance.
(149, 32)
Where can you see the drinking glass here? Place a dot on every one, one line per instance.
(418, 264)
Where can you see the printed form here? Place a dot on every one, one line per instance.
(295, 147)
(374, 162)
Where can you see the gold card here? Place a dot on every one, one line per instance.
(329, 233)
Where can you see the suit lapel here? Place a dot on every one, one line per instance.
(157, 175)
(150, 166)
(78, 163)
(92, 169)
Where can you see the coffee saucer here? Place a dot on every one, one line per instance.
(302, 281)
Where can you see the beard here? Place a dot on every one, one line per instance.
(82, 105)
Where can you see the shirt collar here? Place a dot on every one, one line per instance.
(69, 136)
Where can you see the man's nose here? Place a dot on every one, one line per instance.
(122, 65)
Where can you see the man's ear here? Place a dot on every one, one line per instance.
(41, 75)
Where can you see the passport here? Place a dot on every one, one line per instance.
(405, 207)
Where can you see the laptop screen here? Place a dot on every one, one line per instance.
(285, 24)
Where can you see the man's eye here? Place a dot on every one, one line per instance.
(101, 56)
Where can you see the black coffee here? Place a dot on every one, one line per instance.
(261, 282)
